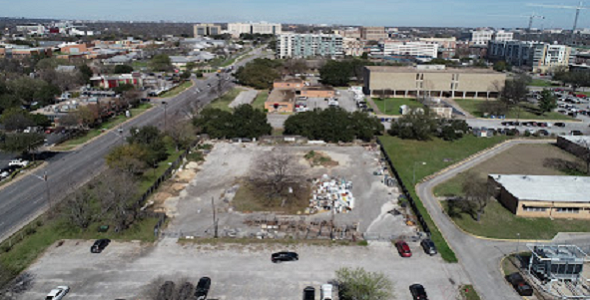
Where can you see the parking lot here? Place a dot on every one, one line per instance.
(124, 270)
(345, 100)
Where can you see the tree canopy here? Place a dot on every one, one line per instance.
(422, 125)
(243, 122)
(259, 73)
(123, 69)
(160, 63)
(548, 101)
(359, 284)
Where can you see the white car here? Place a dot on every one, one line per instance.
(58, 293)
(326, 292)
(18, 163)
(4, 174)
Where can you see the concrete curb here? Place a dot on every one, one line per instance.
(21, 176)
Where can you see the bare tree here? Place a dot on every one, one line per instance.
(476, 194)
(277, 175)
(117, 192)
(77, 208)
(181, 131)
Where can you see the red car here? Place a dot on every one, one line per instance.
(403, 249)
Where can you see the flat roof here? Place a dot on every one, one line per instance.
(281, 95)
(546, 188)
(409, 69)
(577, 139)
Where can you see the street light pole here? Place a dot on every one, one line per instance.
(414, 171)
(518, 242)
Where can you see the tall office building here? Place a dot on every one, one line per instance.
(206, 29)
(309, 45)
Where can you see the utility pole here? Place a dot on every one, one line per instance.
(214, 218)
(47, 190)
(332, 221)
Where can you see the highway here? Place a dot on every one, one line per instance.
(30, 196)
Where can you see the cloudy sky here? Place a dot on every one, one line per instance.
(467, 13)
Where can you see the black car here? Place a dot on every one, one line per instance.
(559, 124)
(576, 132)
(418, 292)
(203, 288)
(428, 246)
(99, 245)
(284, 256)
(309, 293)
(519, 284)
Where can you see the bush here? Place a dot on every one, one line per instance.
(363, 243)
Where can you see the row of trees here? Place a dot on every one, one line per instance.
(243, 122)
(575, 79)
(334, 125)
(422, 125)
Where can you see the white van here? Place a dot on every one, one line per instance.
(326, 292)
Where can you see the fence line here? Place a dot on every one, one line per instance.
(405, 191)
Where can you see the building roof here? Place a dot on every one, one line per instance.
(281, 95)
(318, 88)
(407, 69)
(582, 140)
(65, 68)
(546, 188)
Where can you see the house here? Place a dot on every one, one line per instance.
(67, 69)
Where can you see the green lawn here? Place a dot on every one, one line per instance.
(391, 106)
(138, 65)
(498, 222)
(527, 111)
(176, 90)
(49, 230)
(540, 82)
(258, 103)
(224, 101)
(469, 293)
(408, 155)
(111, 123)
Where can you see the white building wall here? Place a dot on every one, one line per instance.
(410, 48)
(481, 37)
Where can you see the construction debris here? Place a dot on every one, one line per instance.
(331, 194)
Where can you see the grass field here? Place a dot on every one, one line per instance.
(176, 90)
(224, 101)
(139, 65)
(258, 103)
(111, 123)
(539, 159)
(541, 83)
(391, 106)
(408, 155)
(498, 222)
(469, 293)
(39, 235)
(527, 111)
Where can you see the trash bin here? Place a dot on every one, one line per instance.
(103, 228)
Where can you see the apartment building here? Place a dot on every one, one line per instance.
(417, 49)
(309, 45)
(533, 56)
(235, 29)
(353, 33)
(481, 37)
(503, 36)
(433, 81)
(373, 33)
(446, 46)
(206, 30)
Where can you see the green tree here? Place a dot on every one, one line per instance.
(336, 73)
(244, 122)
(50, 63)
(86, 72)
(190, 65)
(46, 94)
(575, 79)
(21, 143)
(476, 194)
(548, 101)
(130, 158)
(365, 55)
(123, 69)
(359, 284)
(16, 118)
(500, 66)
(259, 73)
(153, 140)
(185, 75)
(160, 63)
(417, 124)
(123, 88)
(515, 91)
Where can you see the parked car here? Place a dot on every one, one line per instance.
(58, 293)
(403, 249)
(326, 292)
(576, 132)
(309, 293)
(519, 284)
(203, 288)
(543, 132)
(99, 245)
(4, 175)
(18, 163)
(559, 124)
(284, 256)
(418, 292)
(428, 246)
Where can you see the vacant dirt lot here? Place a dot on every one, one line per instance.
(124, 270)
(539, 159)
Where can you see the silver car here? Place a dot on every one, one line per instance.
(58, 293)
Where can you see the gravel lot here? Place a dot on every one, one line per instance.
(124, 270)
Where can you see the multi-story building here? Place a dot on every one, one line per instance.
(433, 81)
(309, 45)
(503, 36)
(235, 29)
(353, 47)
(534, 56)
(206, 30)
(446, 46)
(481, 37)
(354, 33)
(417, 49)
(373, 33)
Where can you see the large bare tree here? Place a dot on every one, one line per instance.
(117, 192)
(277, 174)
(77, 208)
(476, 194)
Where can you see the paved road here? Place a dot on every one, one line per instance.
(28, 197)
(480, 258)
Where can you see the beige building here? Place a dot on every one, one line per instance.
(353, 33)
(206, 30)
(432, 81)
(235, 29)
(280, 100)
(373, 33)
(353, 47)
(562, 197)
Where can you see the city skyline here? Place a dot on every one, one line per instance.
(428, 13)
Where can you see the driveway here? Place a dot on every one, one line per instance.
(480, 257)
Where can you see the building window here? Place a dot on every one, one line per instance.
(534, 208)
(568, 210)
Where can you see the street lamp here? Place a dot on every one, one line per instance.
(518, 242)
(165, 114)
(414, 170)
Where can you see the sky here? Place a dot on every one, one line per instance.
(438, 13)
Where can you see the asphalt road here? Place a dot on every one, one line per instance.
(28, 197)
(480, 258)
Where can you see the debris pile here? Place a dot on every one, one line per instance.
(331, 193)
